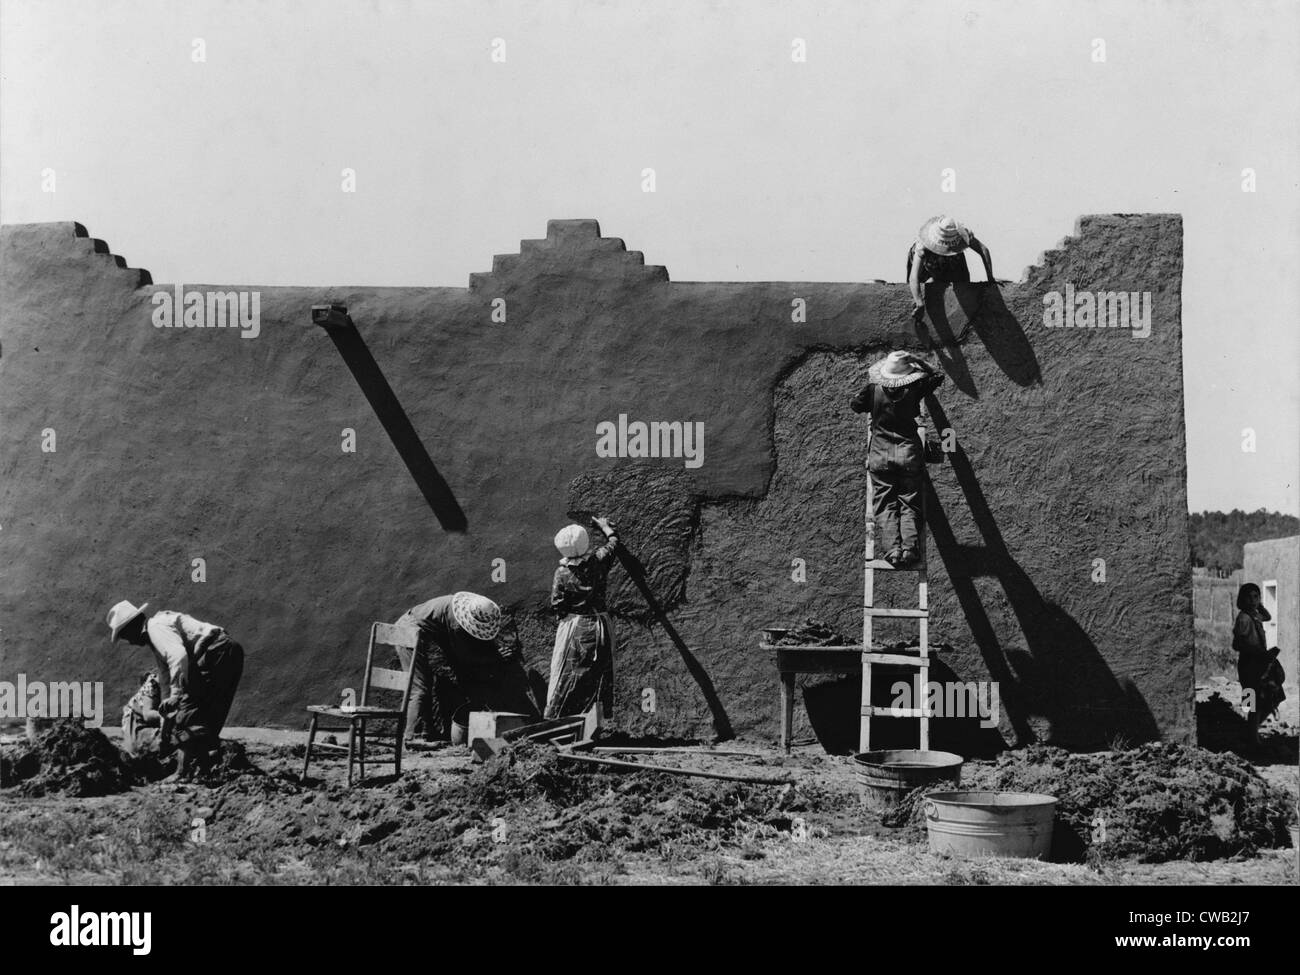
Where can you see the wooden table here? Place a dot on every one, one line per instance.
(808, 660)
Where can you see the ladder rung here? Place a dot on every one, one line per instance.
(879, 712)
(897, 658)
(909, 613)
(880, 565)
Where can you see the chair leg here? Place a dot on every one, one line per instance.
(311, 736)
(397, 760)
(352, 748)
(362, 751)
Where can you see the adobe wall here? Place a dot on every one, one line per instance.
(180, 443)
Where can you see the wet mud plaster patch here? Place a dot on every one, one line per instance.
(656, 513)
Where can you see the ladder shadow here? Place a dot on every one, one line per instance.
(437, 493)
(1062, 677)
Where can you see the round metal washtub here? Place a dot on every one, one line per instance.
(1000, 824)
(884, 777)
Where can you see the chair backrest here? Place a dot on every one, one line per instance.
(380, 677)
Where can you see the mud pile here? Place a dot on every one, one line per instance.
(1158, 802)
(524, 813)
(812, 632)
(67, 759)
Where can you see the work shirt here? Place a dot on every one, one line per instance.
(894, 411)
(466, 654)
(579, 584)
(938, 267)
(174, 638)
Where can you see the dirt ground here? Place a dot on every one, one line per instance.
(528, 819)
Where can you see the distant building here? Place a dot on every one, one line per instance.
(1274, 566)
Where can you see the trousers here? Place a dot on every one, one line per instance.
(896, 471)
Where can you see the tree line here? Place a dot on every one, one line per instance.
(1217, 537)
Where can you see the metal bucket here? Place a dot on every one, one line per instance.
(885, 777)
(460, 725)
(1000, 824)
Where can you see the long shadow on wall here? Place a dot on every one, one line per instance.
(1005, 339)
(942, 340)
(1061, 689)
(987, 314)
(366, 371)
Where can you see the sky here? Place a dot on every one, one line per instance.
(229, 168)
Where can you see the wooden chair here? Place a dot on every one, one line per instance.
(377, 678)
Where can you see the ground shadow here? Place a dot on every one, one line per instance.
(636, 572)
(1221, 728)
(1060, 688)
(356, 355)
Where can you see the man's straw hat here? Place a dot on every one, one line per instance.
(121, 614)
(944, 235)
(897, 369)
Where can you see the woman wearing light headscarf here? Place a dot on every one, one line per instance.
(582, 666)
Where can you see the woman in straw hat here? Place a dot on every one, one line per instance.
(457, 660)
(937, 255)
(896, 456)
(582, 666)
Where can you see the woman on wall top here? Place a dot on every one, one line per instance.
(937, 255)
(1258, 670)
(582, 666)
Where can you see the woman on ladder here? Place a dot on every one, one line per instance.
(582, 666)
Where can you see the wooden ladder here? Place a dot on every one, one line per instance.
(921, 614)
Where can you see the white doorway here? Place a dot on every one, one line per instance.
(1268, 599)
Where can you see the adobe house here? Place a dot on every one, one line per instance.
(1274, 565)
(260, 477)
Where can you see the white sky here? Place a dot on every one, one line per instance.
(229, 171)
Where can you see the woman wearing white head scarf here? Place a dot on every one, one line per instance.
(582, 666)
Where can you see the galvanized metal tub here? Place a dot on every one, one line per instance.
(884, 777)
(1000, 824)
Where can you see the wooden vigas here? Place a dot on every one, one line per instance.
(921, 614)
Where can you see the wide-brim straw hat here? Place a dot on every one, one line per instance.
(897, 369)
(944, 235)
(476, 615)
(122, 614)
